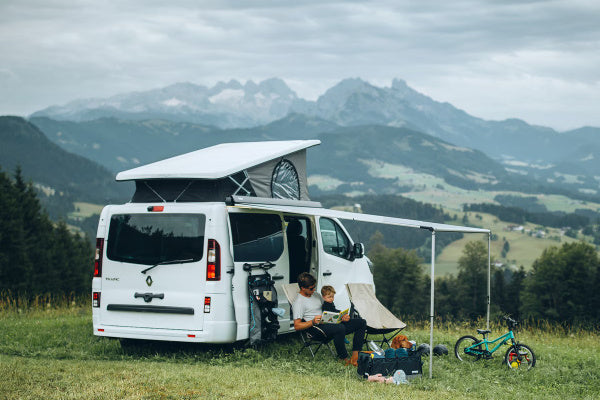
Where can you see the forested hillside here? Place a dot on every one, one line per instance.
(61, 176)
(38, 257)
(352, 159)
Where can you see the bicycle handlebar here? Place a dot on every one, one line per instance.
(510, 322)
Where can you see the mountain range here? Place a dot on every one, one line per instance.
(123, 131)
(352, 102)
(226, 105)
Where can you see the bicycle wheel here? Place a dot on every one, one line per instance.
(519, 356)
(462, 344)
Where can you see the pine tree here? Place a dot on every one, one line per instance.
(472, 278)
(15, 265)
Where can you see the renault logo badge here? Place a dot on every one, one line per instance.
(149, 280)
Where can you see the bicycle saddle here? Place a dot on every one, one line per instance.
(483, 331)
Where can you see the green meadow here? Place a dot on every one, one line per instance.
(51, 353)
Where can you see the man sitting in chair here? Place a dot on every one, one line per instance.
(307, 315)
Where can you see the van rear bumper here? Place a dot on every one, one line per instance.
(213, 332)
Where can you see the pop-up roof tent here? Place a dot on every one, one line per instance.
(258, 175)
(258, 169)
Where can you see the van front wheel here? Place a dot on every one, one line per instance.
(520, 356)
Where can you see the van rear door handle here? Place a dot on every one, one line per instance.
(277, 277)
(327, 273)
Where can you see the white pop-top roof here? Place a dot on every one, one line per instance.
(216, 161)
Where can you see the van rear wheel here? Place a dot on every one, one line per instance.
(128, 344)
(466, 343)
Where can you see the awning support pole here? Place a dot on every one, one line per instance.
(432, 298)
(489, 285)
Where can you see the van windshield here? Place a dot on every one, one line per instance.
(155, 238)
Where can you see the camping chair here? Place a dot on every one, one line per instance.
(380, 321)
(308, 341)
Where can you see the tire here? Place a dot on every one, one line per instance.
(519, 356)
(462, 344)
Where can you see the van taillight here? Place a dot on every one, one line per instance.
(96, 299)
(98, 258)
(213, 261)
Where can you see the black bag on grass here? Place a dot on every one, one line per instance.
(370, 364)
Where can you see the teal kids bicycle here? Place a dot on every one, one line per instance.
(518, 356)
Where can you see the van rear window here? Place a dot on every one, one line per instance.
(151, 239)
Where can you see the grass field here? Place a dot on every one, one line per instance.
(52, 354)
(84, 210)
(433, 190)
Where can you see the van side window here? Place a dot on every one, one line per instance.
(256, 237)
(334, 239)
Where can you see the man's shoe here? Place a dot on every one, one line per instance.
(354, 359)
(346, 361)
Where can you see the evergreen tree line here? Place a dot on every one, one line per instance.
(562, 286)
(520, 216)
(37, 256)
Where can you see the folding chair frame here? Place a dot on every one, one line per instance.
(382, 332)
(374, 331)
(308, 342)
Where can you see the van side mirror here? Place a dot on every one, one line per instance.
(358, 250)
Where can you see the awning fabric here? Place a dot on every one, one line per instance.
(377, 219)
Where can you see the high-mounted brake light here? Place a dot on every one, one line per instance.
(98, 258)
(156, 208)
(96, 299)
(213, 261)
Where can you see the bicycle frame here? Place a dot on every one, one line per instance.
(481, 352)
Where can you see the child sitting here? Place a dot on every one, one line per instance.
(328, 293)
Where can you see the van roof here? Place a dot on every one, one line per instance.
(216, 161)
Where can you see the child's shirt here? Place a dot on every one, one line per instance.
(329, 307)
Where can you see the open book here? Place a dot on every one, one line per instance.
(329, 317)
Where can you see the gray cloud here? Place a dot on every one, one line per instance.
(534, 60)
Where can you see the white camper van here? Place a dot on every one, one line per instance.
(170, 264)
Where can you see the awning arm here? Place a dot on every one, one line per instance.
(432, 304)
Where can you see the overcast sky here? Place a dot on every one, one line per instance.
(534, 60)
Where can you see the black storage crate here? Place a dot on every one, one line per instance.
(411, 365)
